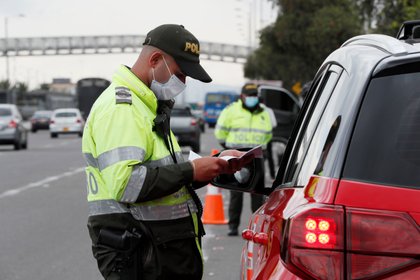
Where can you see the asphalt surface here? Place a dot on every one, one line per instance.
(43, 214)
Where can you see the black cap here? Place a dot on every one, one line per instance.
(250, 89)
(179, 43)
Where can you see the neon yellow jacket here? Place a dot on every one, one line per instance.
(126, 158)
(238, 127)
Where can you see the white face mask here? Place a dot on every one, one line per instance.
(169, 89)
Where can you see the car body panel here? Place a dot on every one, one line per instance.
(269, 219)
(260, 259)
(373, 196)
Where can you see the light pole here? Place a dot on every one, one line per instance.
(251, 20)
(6, 45)
(256, 15)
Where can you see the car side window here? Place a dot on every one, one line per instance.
(321, 152)
(385, 147)
(309, 125)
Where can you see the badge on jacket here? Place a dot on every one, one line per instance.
(123, 95)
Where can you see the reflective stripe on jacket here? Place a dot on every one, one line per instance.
(119, 147)
(238, 127)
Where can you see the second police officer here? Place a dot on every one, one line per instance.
(243, 124)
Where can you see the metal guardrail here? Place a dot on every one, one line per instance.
(76, 45)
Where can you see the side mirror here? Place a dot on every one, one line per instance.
(249, 179)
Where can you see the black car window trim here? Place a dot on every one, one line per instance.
(291, 171)
(394, 67)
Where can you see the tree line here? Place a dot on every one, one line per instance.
(306, 31)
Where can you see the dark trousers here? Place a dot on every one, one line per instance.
(235, 207)
(179, 259)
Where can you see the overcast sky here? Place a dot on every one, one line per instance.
(223, 21)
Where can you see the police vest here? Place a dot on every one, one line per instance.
(119, 144)
(238, 127)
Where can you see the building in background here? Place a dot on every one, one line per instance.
(62, 85)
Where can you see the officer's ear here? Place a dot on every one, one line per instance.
(154, 59)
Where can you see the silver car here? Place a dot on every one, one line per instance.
(66, 121)
(185, 127)
(12, 131)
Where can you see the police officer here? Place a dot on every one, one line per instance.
(243, 124)
(144, 216)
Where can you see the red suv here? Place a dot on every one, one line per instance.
(346, 200)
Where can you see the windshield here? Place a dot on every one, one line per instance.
(219, 98)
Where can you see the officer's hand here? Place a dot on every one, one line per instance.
(235, 165)
(206, 168)
(234, 153)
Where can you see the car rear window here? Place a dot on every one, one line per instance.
(66, 115)
(4, 112)
(181, 112)
(385, 147)
(42, 114)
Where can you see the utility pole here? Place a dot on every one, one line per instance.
(6, 44)
(6, 36)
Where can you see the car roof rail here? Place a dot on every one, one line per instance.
(409, 31)
(384, 42)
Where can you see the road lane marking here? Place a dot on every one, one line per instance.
(43, 183)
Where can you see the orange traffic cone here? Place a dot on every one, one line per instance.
(213, 212)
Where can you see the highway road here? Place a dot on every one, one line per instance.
(43, 214)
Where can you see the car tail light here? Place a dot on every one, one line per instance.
(78, 121)
(380, 242)
(12, 124)
(330, 242)
(316, 242)
(193, 122)
(52, 122)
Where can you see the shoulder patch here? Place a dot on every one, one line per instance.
(123, 95)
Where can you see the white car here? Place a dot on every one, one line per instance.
(66, 121)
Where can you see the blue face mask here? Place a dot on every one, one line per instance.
(251, 101)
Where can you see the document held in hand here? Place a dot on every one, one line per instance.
(253, 153)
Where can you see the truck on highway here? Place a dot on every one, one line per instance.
(5, 96)
(87, 91)
(215, 102)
